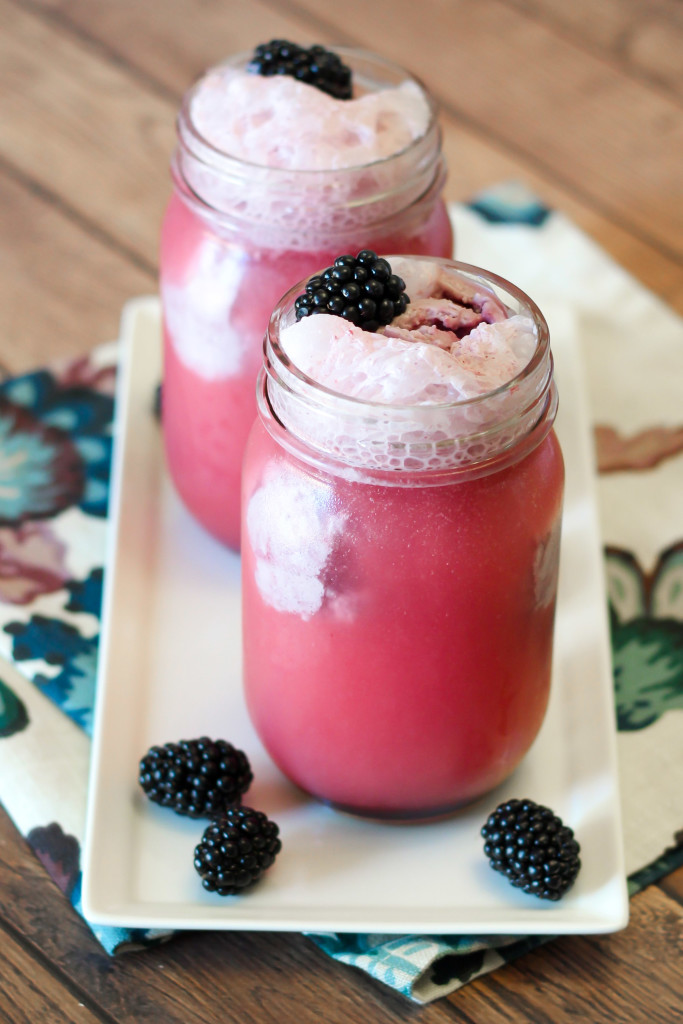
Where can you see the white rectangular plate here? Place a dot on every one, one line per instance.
(170, 668)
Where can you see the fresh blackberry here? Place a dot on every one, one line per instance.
(531, 845)
(362, 289)
(315, 66)
(235, 850)
(198, 778)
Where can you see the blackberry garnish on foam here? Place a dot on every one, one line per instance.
(198, 778)
(532, 847)
(235, 850)
(315, 66)
(362, 290)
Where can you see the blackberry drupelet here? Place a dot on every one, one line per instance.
(531, 845)
(235, 850)
(360, 289)
(315, 66)
(198, 778)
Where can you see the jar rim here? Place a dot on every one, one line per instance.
(385, 217)
(323, 460)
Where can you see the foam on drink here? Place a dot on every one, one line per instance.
(443, 385)
(281, 122)
(280, 154)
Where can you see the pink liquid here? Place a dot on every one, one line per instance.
(423, 677)
(207, 418)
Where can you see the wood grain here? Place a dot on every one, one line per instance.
(167, 55)
(609, 121)
(61, 290)
(97, 141)
(172, 51)
(29, 993)
(632, 976)
(644, 37)
(672, 885)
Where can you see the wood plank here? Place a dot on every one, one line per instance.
(570, 113)
(644, 37)
(85, 132)
(61, 287)
(29, 993)
(633, 976)
(173, 50)
(197, 978)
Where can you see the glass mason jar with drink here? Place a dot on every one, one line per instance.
(402, 495)
(273, 177)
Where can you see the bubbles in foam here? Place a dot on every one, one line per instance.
(359, 441)
(280, 122)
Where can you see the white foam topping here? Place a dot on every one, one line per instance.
(281, 122)
(380, 368)
(456, 341)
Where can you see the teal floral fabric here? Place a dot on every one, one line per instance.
(55, 458)
(55, 461)
(59, 643)
(647, 638)
(510, 204)
(13, 713)
(55, 438)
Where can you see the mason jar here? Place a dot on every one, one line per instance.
(235, 237)
(399, 580)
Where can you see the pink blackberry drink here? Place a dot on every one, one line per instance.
(274, 177)
(402, 496)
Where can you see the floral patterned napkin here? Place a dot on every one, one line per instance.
(55, 450)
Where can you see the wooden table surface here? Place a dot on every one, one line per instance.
(583, 101)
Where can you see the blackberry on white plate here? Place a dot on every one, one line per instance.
(533, 847)
(198, 778)
(235, 850)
